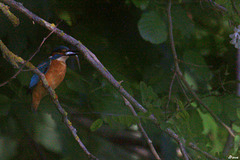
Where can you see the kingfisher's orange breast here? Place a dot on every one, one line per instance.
(56, 73)
(54, 76)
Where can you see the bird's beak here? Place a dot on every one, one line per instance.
(70, 53)
(78, 62)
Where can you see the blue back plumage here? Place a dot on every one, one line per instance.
(43, 67)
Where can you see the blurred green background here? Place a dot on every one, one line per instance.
(130, 38)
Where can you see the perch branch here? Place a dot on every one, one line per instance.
(91, 58)
(14, 58)
(22, 66)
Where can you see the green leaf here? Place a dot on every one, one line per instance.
(231, 105)
(236, 127)
(210, 126)
(191, 81)
(197, 66)
(183, 113)
(152, 28)
(195, 122)
(214, 104)
(127, 120)
(236, 144)
(64, 15)
(96, 124)
(142, 4)
(109, 120)
(149, 97)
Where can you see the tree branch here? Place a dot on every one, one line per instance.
(5, 9)
(14, 58)
(149, 141)
(24, 64)
(92, 59)
(178, 70)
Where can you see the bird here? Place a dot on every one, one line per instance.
(54, 69)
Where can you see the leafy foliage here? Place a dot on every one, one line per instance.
(131, 39)
(152, 28)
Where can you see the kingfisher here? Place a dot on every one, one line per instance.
(54, 69)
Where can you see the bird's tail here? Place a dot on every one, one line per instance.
(35, 105)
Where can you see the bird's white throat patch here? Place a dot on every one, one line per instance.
(62, 58)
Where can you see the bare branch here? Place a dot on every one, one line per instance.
(21, 68)
(217, 119)
(52, 93)
(180, 142)
(217, 6)
(235, 8)
(92, 59)
(193, 146)
(149, 141)
(95, 63)
(170, 89)
(5, 9)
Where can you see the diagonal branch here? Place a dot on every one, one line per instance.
(23, 65)
(149, 141)
(92, 59)
(180, 142)
(193, 146)
(235, 8)
(5, 9)
(9, 54)
(179, 72)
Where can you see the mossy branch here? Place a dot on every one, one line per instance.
(15, 60)
(5, 9)
(93, 60)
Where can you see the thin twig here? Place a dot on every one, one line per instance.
(90, 57)
(149, 141)
(53, 95)
(180, 142)
(193, 146)
(217, 6)
(217, 119)
(195, 65)
(21, 68)
(170, 89)
(234, 7)
(184, 92)
(170, 93)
